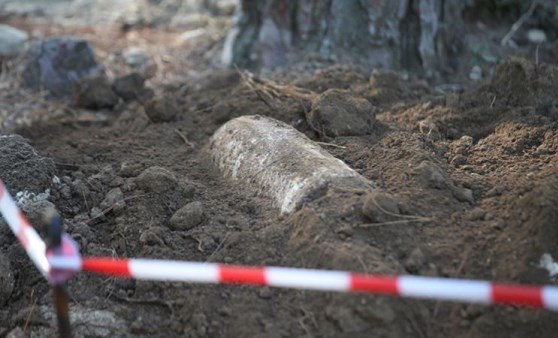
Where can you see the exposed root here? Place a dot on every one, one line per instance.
(184, 138)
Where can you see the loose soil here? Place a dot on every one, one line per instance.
(472, 175)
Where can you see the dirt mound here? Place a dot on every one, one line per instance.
(22, 168)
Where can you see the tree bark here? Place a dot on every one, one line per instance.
(418, 35)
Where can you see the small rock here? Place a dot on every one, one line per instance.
(156, 179)
(265, 293)
(207, 243)
(65, 191)
(99, 180)
(337, 113)
(476, 73)
(129, 185)
(186, 188)
(129, 169)
(96, 212)
(135, 57)
(225, 311)
(131, 87)
(80, 187)
(95, 93)
(7, 281)
(35, 211)
(463, 194)
(160, 109)
(380, 207)
(58, 65)
(12, 40)
(431, 175)
(415, 261)
(536, 36)
(187, 217)
(114, 200)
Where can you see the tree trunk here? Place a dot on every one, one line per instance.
(418, 35)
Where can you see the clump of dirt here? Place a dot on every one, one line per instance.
(519, 91)
(338, 113)
(22, 168)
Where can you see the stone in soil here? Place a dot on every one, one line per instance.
(139, 60)
(95, 93)
(415, 261)
(114, 200)
(431, 175)
(12, 41)
(337, 113)
(22, 168)
(131, 87)
(161, 109)
(187, 217)
(58, 64)
(157, 179)
(35, 212)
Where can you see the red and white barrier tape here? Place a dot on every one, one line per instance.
(469, 291)
(27, 236)
(62, 264)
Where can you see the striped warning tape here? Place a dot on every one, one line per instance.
(27, 236)
(469, 291)
(63, 264)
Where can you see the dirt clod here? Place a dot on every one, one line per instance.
(431, 175)
(35, 211)
(58, 64)
(22, 168)
(114, 200)
(131, 86)
(161, 109)
(415, 261)
(156, 179)
(187, 217)
(95, 93)
(338, 113)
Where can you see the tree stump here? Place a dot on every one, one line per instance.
(422, 36)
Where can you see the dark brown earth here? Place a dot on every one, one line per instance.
(470, 176)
